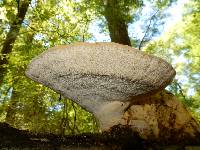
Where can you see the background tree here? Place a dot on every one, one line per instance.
(15, 22)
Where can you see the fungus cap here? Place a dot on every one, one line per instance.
(95, 73)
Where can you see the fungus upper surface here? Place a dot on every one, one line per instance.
(92, 72)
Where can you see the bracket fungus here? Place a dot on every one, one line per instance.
(103, 78)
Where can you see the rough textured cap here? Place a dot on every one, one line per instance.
(94, 74)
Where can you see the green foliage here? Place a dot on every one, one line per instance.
(28, 105)
(125, 7)
(181, 46)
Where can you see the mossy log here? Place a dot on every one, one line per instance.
(117, 138)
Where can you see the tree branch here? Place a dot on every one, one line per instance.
(180, 90)
(147, 30)
(75, 117)
(11, 37)
(18, 6)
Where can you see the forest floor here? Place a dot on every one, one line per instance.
(116, 139)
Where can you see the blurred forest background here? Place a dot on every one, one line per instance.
(29, 27)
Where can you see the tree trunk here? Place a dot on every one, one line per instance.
(11, 109)
(116, 23)
(12, 36)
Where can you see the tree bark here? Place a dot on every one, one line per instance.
(116, 23)
(12, 36)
